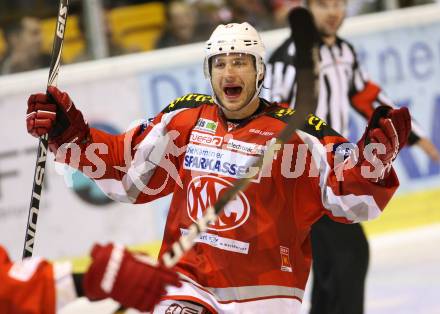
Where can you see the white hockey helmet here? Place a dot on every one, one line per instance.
(236, 38)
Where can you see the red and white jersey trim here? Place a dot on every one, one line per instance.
(149, 153)
(355, 208)
(246, 299)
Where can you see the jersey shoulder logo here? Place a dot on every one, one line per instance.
(315, 122)
(312, 125)
(319, 128)
(189, 101)
(281, 113)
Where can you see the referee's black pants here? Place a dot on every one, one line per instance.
(340, 262)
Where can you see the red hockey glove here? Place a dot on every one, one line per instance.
(55, 114)
(130, 279)
(387, 126)
(304, 34)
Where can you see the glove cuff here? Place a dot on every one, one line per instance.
(77, 135)
(64, 284)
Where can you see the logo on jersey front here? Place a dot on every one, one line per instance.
(285, 259)
(219, 161)
(206, 125)
(204, 191)
(247, 148)
(261, 132)
(206, 139)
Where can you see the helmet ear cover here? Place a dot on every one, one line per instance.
(262, 73)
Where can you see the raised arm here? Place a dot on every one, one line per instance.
(352, 188)
(137, 166)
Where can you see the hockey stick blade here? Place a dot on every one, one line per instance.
(307, 98)
(43, 145)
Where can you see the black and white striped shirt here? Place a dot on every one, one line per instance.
(343, 84)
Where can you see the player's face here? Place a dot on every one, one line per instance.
(233, 78)
(328, 14)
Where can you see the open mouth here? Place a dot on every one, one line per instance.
(232, 91)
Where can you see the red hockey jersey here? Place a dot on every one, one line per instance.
(256, 257)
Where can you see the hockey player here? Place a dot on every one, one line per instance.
(340, 251)
(35, 286)
(256, 257)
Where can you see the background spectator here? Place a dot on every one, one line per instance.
(210, 14)
(181, 25)
(281, 9)
(114, 48)
(187, 21)
(255, 12)
(24, 46)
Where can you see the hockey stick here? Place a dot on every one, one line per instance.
(40, 165)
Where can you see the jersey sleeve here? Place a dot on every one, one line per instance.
(334, 186)
(140, 165)
(26, 287)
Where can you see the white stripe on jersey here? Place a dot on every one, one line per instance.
(148, 155)
(271, 304)
(355, 208)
